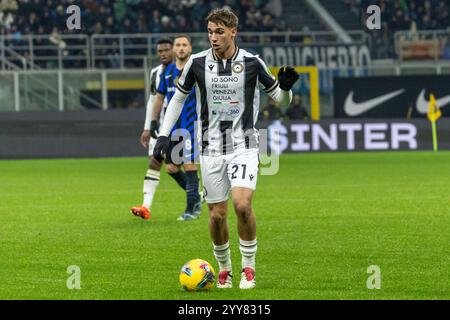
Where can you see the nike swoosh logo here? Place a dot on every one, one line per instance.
(169, 76)
(353, 108)
(422, 104)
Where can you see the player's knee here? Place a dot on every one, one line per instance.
(217, 219)
(154, 164)
(243, 209)
(218, 215)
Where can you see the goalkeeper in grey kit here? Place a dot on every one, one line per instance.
(227, 80)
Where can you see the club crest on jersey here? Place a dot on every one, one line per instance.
(175, 81)
(237, 67)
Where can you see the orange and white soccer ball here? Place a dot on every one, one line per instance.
(197, 275)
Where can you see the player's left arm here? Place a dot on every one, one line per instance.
(279, 90)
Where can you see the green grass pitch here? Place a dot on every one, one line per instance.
(322, 221)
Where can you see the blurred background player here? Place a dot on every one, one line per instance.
(230, 154)
(182, 149)
(164, 49)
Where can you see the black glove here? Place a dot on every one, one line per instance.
(160, 149)
(287, 77)
(154, 129)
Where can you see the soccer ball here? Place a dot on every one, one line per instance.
(197, 275)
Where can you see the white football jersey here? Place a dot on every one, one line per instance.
(227, 98)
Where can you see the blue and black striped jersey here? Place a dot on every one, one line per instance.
(167, 87)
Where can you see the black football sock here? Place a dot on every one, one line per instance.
(191, 189)
(180, 178)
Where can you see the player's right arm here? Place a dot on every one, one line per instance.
(145, 136)
(156, 112)
(158, 103)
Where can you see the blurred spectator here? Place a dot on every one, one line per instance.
(166, 25)
(156, 16)
(272, 111)
(6, 19)
(55, 38)
(59, 17)
(7, 9)
(267, 23)
(127, 27)
(446, 52)
(275, 7)
(296, 111)
(110, 26)
(199, 11)
(155, 22)
(442, 14)
(399, 15)
(47, 19)
(60, 49)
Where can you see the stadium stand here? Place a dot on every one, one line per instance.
(342, 14)
(397, 15)
(47, 17)
(120, 36)
(132, 16)
(402, 15)
(45, 20)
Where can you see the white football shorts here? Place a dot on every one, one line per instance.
(151, 145)
(221, 173)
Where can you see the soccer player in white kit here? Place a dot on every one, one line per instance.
(227, 80)
(151, 180)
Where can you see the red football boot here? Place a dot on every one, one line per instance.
(141, 211)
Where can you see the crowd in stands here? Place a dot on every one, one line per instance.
(406, 14)
(132, 16)
(397, 15)
(46, 20)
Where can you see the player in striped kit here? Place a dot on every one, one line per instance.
(183, 141)
(164, 49)
(227, 81)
